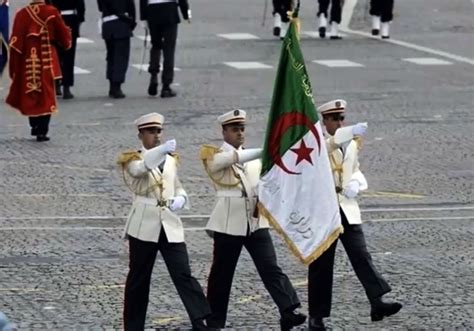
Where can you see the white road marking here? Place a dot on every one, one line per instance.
(108, 104)
(80, 71)
(449, 218)
(338, 63)
(415, 47)
(427, 61)
(82, 40)
(238, 36)
(192, 229)
(248, 65)
(315, 34)
(348, 10)
(204, 216)
(144, 67)
(141, 37)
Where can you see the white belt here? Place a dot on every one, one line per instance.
(69, 12)
(229, 194)
(151, 201)
(109, 18)
(154, 2)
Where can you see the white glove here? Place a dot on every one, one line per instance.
(352, 189)
(170, 145)
(155, 156)
(246, 155)
(177, 203)
(359, 129)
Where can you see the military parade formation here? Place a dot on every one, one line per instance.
(42, 48)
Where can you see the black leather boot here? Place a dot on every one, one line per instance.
(116, 91)
(67, 93)
(290, 319)
(153, 86)
(381, 309)
(167, 92)
(198, 325)
(316, 324)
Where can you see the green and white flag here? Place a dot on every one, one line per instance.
(296, 189)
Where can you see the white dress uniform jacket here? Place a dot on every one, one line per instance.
(150, 209)
(345, 167)
(236, 191)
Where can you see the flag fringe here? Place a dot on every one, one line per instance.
(291, 245)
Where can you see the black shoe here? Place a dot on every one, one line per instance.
(375, 32)
(198, 325)
(322, 32)
(116, 91)
(153, 87)
(385, 37)
(276, 31)
(167, 92)
(381, 309)
(57, 83)
(316, 324)
(335, 37)
(67, 93)
(34, 131)
(290, 319)
(42, 137)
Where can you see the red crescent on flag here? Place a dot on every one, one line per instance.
(282, 124)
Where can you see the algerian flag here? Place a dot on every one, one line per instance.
(296, 189)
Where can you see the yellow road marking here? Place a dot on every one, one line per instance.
(301, 283)
(166, 320)
(393, 194)
(249, 298)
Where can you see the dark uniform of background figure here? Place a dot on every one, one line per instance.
(336, 15)
(73, 13)
(382, 10)
(118, 23)
(162, 18)
(281, 7)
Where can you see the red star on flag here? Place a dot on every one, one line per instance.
(303, 153)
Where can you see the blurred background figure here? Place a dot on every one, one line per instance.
(118, 22)
(5, 324)
(334, 19)
(34, 64)
(3, 34)
(73, 13)
(382, 15)
(281, 20)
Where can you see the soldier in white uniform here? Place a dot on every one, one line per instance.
(343, 147)
(233, 223)
(152, 175)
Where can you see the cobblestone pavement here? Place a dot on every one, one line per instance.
(62, 203)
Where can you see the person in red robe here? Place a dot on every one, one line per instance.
(34, 63)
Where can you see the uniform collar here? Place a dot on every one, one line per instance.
(228, 147)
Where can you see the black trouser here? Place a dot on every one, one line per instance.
(39, 124)
(282, 7)
(67, 59)
(137, 287)
(336, 9)
(320, 273)
(118, 54)
(227, 250)
(382, 8)
(163, 39)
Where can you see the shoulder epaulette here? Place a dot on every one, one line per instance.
(207, 152)
(127, 157)
(175, 156)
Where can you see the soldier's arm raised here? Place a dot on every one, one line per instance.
(152, 158)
